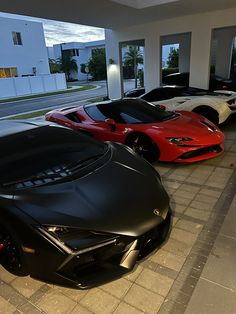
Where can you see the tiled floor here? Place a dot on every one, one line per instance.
(193, 272)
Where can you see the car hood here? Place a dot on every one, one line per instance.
(199, 129)
(118, 197)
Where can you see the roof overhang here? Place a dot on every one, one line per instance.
(114, 14)
(141, 4)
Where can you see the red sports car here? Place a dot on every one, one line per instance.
(150, 131)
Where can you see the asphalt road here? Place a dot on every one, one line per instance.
(54, 101)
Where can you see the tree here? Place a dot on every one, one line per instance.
(133, 58)
(54, 65)
(173, 58)
(97, 64)
(67, 65)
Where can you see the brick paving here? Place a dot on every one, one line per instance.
(201, 195)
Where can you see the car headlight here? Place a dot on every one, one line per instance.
(179, 140)
(75, 241)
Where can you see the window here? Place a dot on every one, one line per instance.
(8, 72)
(17, 38)
(70, 53)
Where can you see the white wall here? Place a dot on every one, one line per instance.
(20, 86)
(200, 26)
(32, 52)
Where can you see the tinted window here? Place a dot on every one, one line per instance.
(158, 94)
(129, 111)
(73, 116)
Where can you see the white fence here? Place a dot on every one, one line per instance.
(20, 86)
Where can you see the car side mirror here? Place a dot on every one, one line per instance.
(162, 107)
(111, 123)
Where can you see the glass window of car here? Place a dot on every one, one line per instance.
(128, 111)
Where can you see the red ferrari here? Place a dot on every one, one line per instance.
(150, 131)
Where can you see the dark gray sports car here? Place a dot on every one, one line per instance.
(74, 211)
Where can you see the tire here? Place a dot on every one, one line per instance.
(143, 146)
(209, 113)
(11, 254)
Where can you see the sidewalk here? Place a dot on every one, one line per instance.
(194, 272)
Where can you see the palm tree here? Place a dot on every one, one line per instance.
(133, 58)
(67, 64)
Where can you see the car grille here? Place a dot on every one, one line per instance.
(154, 237)
(198, 152)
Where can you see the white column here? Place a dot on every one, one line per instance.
(113, 69)
(200, 56)
(152, 61)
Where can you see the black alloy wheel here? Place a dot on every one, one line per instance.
(11, 255)
(144, 146)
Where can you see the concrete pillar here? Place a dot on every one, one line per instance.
(113, 61)
(152, 61)
(223, 52)
(200, 56)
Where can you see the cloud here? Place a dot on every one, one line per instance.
(57, 32)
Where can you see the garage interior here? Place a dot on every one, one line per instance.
(194, 271)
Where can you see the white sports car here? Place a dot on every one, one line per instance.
(216, 106)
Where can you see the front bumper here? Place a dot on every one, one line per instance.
(110, 262)
(190, 154)
(202, 153)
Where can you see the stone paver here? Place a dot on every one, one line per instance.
(144, 299)
(98, 301)
(126, 308)
(188, 267)
(155, 282)
(26, 286)
(6, 307)
(55, 302)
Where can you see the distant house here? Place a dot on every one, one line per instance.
(24, 67)
(23, 51)
(79, 51)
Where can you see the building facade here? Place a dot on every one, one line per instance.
(81, 52)
(22, 48)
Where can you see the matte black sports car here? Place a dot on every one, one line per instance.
(74, 211)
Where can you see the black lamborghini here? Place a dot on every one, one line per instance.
(74, 211)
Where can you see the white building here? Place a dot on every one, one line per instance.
(81, 52)
(24, 67)
(194, 25)
(23, 51)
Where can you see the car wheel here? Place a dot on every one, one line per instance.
(144, 146)
(209, 113)
(11, 255)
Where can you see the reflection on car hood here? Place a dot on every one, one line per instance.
(118, 197)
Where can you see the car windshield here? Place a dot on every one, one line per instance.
(130, 111)
(46, 152)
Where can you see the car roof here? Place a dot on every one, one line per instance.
(11, 127)
(116, 101)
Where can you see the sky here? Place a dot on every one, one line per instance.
(59, 32)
